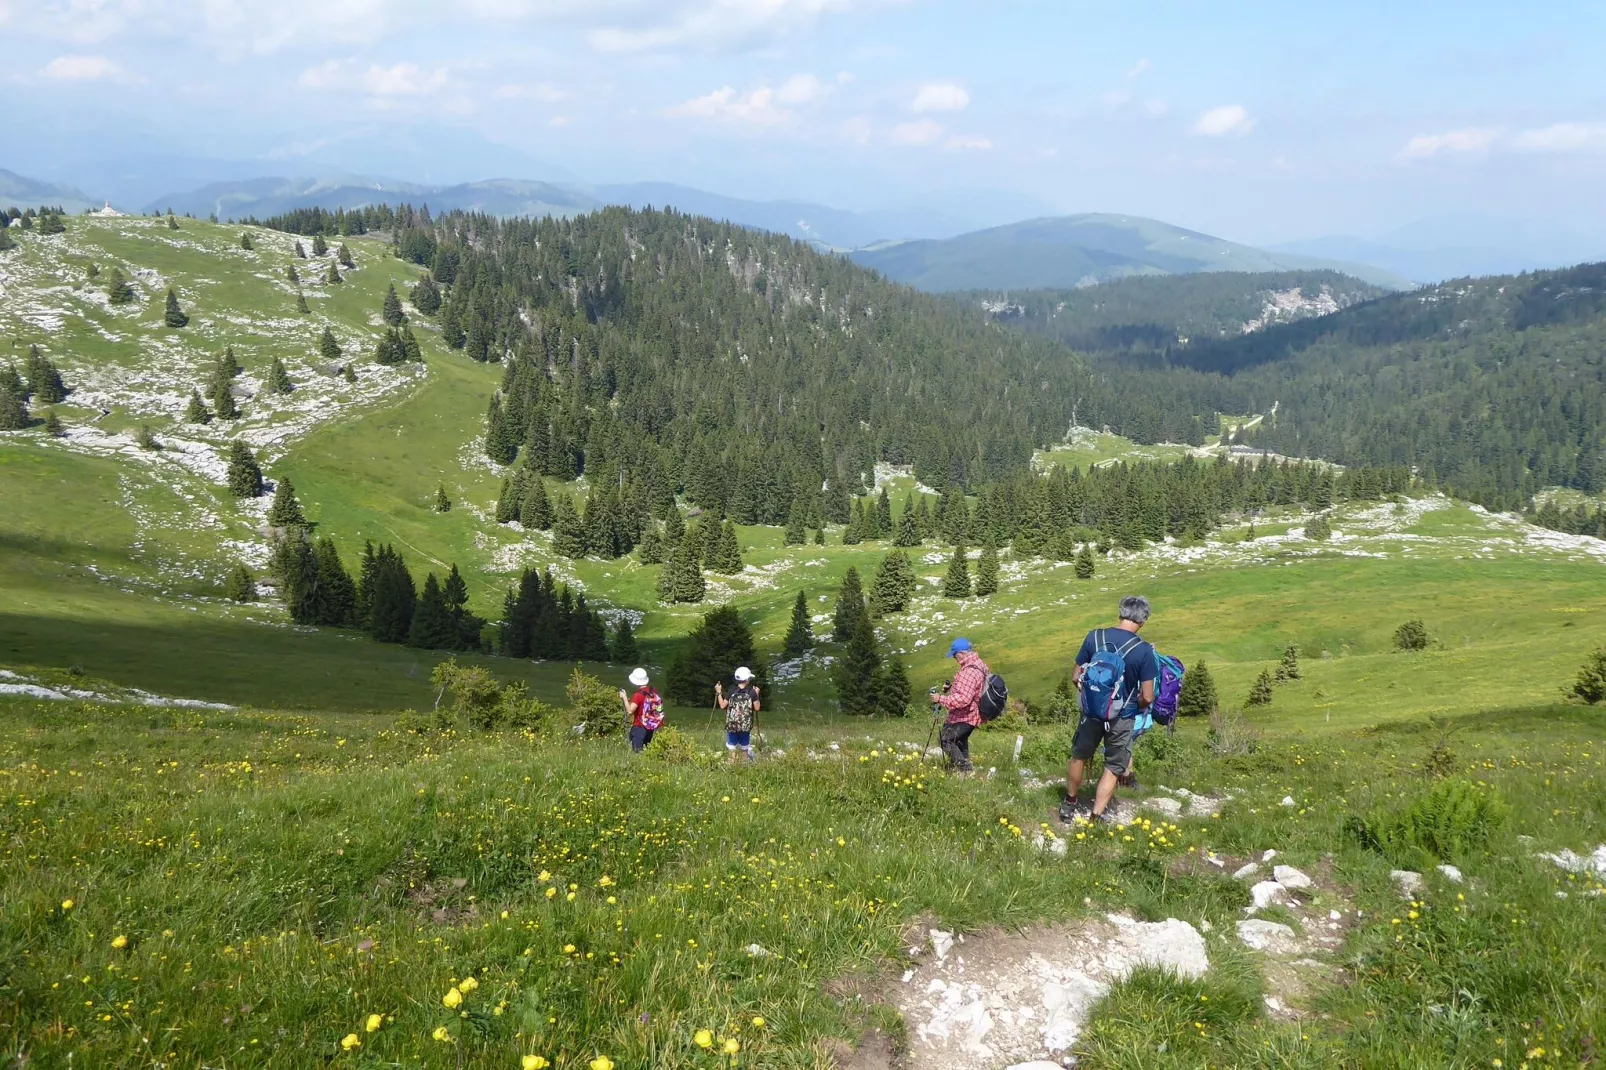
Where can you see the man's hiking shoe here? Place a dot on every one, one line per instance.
(1070, 809)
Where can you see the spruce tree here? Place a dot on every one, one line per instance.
(245, 476)
(331, 275)
(328, 348)
(893, 584)
(44, 380)
(392, 309)
(856, 670)
(499, 444)
(624, 651)
(568, 532)
(535, 508)
(426, 296)
(689, 583)
(240, 586)
(891, 687)
(410, 347)
(119, 292)
(795, 533)
(286, 510)
(674, 525)
(197, 412)
(1084, 563)
(174, 316)
(819, 536)
(53, 425)
(443, 504)
(800, 633)
(1260, 692)
(987, 567)
(223, 400)
(666, 576)
(849, 607)
(853, 534)
(349, 374)
(651, 549)
(279, 378)
(227, 367)
(727, 555)
(713, 650)
(246, 243)
(1288, 668)
(319, 246)
(334, 603)
(295, 563)
(345, 257)
(293, 275)
(386, 596)
(172, 221)
(956, 584)
(883, 515)
(301, 252)
(431, 626)
(1198, 695)
(1319, 528)
(13, 407)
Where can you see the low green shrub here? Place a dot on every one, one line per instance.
(1448, 821)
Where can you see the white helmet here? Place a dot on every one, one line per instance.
(639, 677)
(743, 674)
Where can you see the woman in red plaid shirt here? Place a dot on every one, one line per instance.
(962, 701)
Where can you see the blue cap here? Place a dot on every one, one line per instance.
(959, 646)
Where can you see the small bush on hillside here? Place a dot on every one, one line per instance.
(475, 692)
(671, 746)
(1158, 747)
(1062, 708)
(1448, 821)
(1412, 635)
(1591, 683)
(1046, 751)
(1013, 719)
(1231, 734)
(594, 704)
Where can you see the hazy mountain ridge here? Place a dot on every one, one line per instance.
(27, 192)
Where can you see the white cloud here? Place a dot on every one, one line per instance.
(1225, 120)
(800, 89)
(709, 25)
(1562, 137)
(1137, 69)
(1471, 139)
(919, 132)
(401, 80)
(81, 68)
(968, 143)
(941, 96)
(755, 108)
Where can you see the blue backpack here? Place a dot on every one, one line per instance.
(1103, 694)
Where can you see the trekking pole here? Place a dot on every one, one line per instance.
(625, 701)
(929, 733)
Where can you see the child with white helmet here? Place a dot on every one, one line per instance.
(739, 707)
(646, 710)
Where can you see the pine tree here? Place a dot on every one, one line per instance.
(883, 515)
(119, 292)
(853, 534)
(849, 607)
(1198, 695)
(800, 633)
(689, 584)
(292, 275)
(1249, 536)
(240, 586)
(196, 412)
(856, 670)
(44, 380)
(386, 596)
(328, 348)
(334, 602)
(674, 526)
(568, 532)
(301, 252)
(891, 687)
(727, 555)
(443, 504)
(245, 476)
(172, 221)
(245, 242)
(426, 296)
(13, 405)
(279, 378)
(651, 549)
(331, 275)
(795, 533)
(956, 584)
(392, 310)
(819, 536)
(666, 575)
(390, 349)
(893, 584)
(987, 568)
(1288, 668)
(227, 367)
(295, 564)
(1260, 692)
(301, 304)
(223, 400)
(713, 650)
(349, 374)
(53, 425)
(174, 316)
(410, 347)
(319, 246)
(431, 626)
(1084, 563)
(345, 257)
(285, 511)
(1319, 528)
(624, 651)
(908, 530)
(1590, 685)
(535, 508)
(499, 444)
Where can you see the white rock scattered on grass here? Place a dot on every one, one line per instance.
(1288, 800)
(1268, 936)
(757, 951)
(1575, 863)
(1268, 856)
(1169, 807)
(1267, 893)
(1290, 878)
(1407, 882)
(1451, 874)
(941, 943)
(1245, 872)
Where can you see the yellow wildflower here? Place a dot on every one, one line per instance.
(732, 1046)
(468, 984)
(551, 892)
(704, 1039)
(568, 949)
(602, 1062)
(533, 1062)
(758, 1023)
(453, 998)
(373, 1023)
(349, 1041)
(119, 941)
(441, 1034)
(66, 904)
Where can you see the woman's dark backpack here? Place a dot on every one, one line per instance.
(993, 699)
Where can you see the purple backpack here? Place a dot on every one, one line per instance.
(1166, 689)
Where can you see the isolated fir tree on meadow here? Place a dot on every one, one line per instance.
(855, 672)
(118, 290)
(301, 304)
(245, 475)
(893, 584)
(44, 380)
(956, 583)
(1084, 563)
(1319, 528)
(301, 252)
(174, 316)
(623, 649)
(891, 687)
(240, 586)
(1288, 668)
(279, 378)
(443, 504)
(172, 220)
(285, 512)
(426, 296)
(720, 642)
(987, 567)
(331, 275)
(13, 405)
(223, 400)
(726, 558)
(849, 607)
(1590, 685)
(196, 411)
(345, 257)
(392, 310)
(53, 425)
(1260, 692)
(292, 275)
(1198, 695)
(319, 246)
(800, 633)
(328, 348)
(246, 243)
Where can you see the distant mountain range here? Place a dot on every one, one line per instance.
(1083, 250)
(31, 193)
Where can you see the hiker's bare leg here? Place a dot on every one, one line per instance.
(1106, 791)
(1073, 776)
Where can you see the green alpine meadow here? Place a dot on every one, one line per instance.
(348, 558)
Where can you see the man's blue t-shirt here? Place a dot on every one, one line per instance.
(1142, 664)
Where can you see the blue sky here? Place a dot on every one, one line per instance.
(1257, 121)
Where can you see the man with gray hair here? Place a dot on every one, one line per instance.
(1115, 678)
